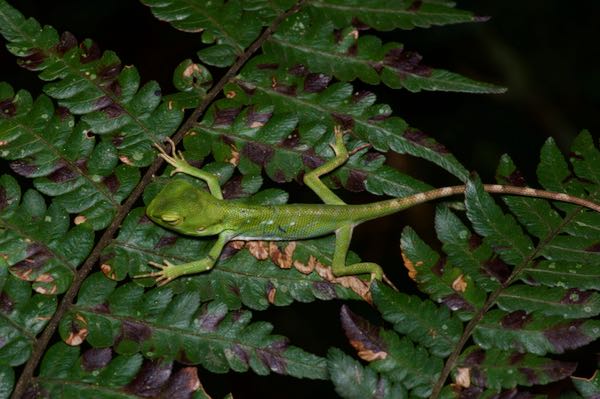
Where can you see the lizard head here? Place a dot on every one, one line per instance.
(181, 207)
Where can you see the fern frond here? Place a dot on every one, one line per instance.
(312, 40)
(398, 359)
(165, 325)
(539, 301)
(38, 243)
(62, 157)
(317, 101)
(385, 15)
(93, 84)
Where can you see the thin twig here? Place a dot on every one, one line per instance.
(67, 300)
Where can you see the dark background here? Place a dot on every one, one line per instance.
(545, 52)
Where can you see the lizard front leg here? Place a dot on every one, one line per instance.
(169, 271)
(182, 166)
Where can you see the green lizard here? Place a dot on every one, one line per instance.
(181, 207)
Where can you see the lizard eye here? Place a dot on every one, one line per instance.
(171, 218)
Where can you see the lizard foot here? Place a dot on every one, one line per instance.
(176, 159)
(164, 275)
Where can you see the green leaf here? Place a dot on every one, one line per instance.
(310, 96)
(500, 230)
(412, 316)
(62, 158)
(165, 325)
(583, 276)
(93, 84)
(534, 333)
(354, 381)
(226, 24)
(385, 15)
(100, 373)
(443, 282)
(498, 369)
(7, 379)
(588, 388)
(38, 243)
(313, 40)
(569, 303)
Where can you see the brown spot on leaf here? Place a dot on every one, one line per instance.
(363, 336)
(109, 72)
(78, 330)
(345, 121)
(516, 178)
(149, 380)
(117, 140)
(575, 296)
(311, 160)
(48, 288)
(459, 284)
(166, 241)
(474, 358)
(62, 174)
(89, 52)
(257, 119)
(67, 42)
(356, 181)
(273, 359)
(411, 267)
(24, 167)
(62, 112)
(474, 241)
(112, 183)
(113, 110)
(358, 24)
(108, 271)
(439, 267)
(3, 199)
(133, 331)
(298, 70)
(271, 293)
(183, 384)
(8, 108)
(37, 257)
(456, 302)
(463, 377)
(282, 259)
(257, 152)
(292, 140)
(420, 138)
(567, 336)
(209, 321)
(32, 60)
(79, 219)
(6, 304)
(268, 66)
(225, 117)
(316, 82)
(415, 6)
(593, 248)
(406, 62)
(288, 90)
(515, 320)
(258, 249)
(95, 358)
(496, 268)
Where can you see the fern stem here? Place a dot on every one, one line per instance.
(491, 301)
(42, 342)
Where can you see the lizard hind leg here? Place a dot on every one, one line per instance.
(313, 178)
(339, 266)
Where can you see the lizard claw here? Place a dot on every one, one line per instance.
(176, 159)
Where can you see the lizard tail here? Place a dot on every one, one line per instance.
(496, 189)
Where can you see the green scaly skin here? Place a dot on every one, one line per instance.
(187, 210)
